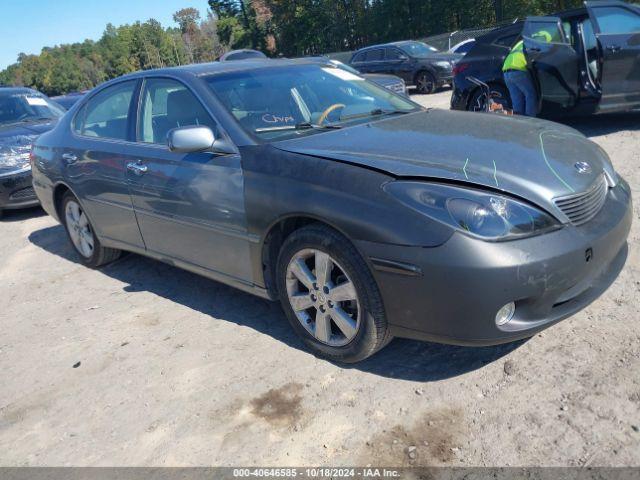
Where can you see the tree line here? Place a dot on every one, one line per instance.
(277, 27)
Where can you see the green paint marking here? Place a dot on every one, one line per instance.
(495, 172)
(464, 169)
(544, 155)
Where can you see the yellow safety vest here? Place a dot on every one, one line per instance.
(516, 59)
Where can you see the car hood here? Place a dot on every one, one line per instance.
(15, 137)
(528, 158)
(22, 129)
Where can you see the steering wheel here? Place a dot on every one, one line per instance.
(323, 116)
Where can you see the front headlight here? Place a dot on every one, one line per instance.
(486, 215)
(443, 64)
(14, 158)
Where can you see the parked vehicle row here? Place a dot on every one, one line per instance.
(366, 215)
(417, 63)
(590, 65)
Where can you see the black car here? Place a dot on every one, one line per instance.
(417, 63)
(365, 214)
(591, 65)
(24, 114)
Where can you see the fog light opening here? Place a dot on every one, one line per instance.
(505, 314)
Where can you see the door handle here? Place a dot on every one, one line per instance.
(70, 158)
(614, 48)
(535, 49)
(137, 168)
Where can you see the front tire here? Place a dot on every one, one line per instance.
(330, 296)
(82, 236)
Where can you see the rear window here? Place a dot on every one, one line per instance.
(375, 55)
(507, 41)
(105, 115)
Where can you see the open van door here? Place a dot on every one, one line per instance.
(554, 62)
(617, 29)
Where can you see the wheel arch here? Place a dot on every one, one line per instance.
(422, 69)
(494, 82)
(275, 235)
(59, 190)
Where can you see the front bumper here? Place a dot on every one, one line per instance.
(455, 290)
(16, 191)
(444, 77)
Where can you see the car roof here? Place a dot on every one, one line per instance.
(399, 43)
(214, 68)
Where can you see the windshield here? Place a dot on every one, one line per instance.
(27, 107)
(418, 49)
(288, 101)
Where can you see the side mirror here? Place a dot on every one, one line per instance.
(190, 139)
(403, 57)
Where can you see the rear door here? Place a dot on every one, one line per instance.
(617, 29)
(190, 206)
(374, 62)
(554, 62)
(95, 164)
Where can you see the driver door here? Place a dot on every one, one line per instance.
(554, 62)
(189, 206)
(399, 64)
(617, 30)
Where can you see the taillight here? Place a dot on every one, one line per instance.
(460, 67)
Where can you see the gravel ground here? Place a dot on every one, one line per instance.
(144, 364)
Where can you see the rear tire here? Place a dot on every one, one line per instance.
(478, 100)
(339, 315)
(82, 236)
(425, 83)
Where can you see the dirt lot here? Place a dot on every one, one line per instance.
(143, 364)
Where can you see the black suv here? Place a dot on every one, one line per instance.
(591, 64)
(417, 63)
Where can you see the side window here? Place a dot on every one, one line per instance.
(544, 31)
(168, 104)
(105, 115)
(617, 20)
(375, 55)
(394, 54)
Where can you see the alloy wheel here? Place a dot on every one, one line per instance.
(425, 83)
(79, 229)
(323, 297)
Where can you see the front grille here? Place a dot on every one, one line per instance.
(397, 87)
(582, 207)
(23, 193)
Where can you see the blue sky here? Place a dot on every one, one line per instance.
(28, 25)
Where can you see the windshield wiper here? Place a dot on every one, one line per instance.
(298, 126)
(375, 113)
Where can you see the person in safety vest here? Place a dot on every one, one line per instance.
(524, 97)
